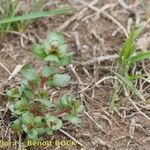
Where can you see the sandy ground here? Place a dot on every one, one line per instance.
(97, 29)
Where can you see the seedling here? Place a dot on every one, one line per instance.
(36, 113)
(128, 57)
(53, 50)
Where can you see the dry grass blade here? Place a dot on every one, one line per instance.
(5, 68)
(75, 73)
(133, 11)
(70, 20)
(98, 125)
(98, 59)
(103, 143)
(71, 137)
(133, 103)
(15, 72)
(108, 16)
(132, 128)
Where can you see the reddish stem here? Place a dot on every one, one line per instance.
(42, 83)
(63, 112)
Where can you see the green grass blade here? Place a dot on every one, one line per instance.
(34, 15)
(139, 57)
(128, 48)
(134, 77)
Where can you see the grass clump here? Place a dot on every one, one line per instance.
(128, 57)
(36, 114)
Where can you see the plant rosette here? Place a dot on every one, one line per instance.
(53, 50)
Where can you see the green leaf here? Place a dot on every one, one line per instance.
(65, 60)
(47, 71)
(55, 37)
(60, 80)
(16, 126)
(25, 128)
(128, 48)
(140, 56)
(64, 101)
(49, 131)
(69, 101)
(21, 106)
(14, 93)
(28, 118)
(29, 73)
(134, 77)
(53, 122)
(38, 51)
(73, 118)
(28, 93)
(33, 134)
(47, 47)
(63, 50)
(24, 84)
(19, 112)
(38, 121)
(79, 108)
(46, 102)
(52, 58)
(41, 131)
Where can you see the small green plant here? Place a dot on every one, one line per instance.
(53, 50)
(128, 57)
(30, 101)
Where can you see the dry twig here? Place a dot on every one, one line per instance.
(15, 72)
(75, 73)
(130, 9)
(71, 137)
(133, 103)
(108, 16)
(98, 125)
(73, 18)
(97, 59)
(5, 68)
